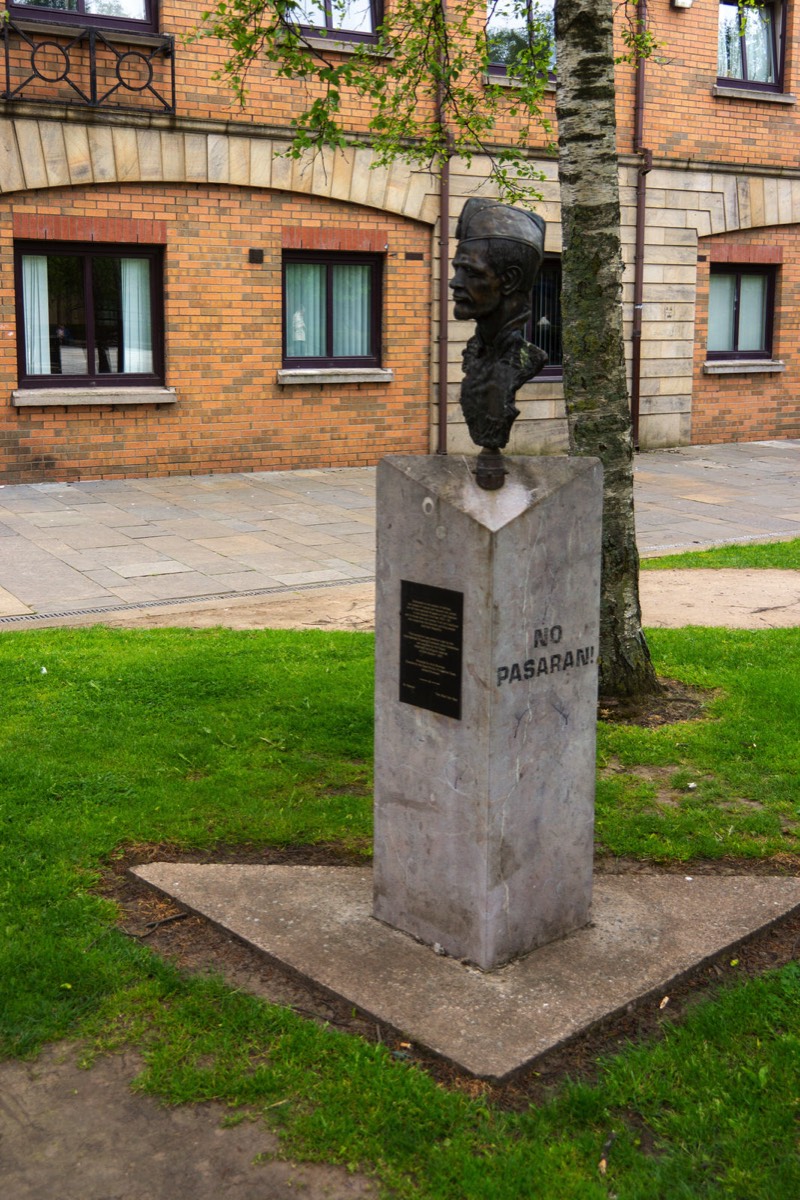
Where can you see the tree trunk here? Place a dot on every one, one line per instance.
(595, 387)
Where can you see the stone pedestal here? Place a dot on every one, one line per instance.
(487, 614)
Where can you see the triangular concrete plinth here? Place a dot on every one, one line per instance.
(646, 931)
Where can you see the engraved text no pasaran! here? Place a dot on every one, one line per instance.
(566, 659)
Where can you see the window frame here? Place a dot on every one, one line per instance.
(332, 32)
(329, 259)
(551, 371)
(770, 273)
(89, 251)
(55, 16)
(778, 27)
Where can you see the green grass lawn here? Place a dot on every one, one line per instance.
(112, 739)
(781, 556)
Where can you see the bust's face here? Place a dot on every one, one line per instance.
(477, 289)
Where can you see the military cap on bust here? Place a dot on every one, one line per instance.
(482, 218)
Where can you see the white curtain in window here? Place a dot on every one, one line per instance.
(354, 16)
(351, 311)
(36, 309)
(309, 12)
(62, 5)
(720, 312)
(305, 310)
(133, 10)
(758, 44)
(729, 65)
(752, 313)
(137, 329)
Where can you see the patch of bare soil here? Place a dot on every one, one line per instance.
(736, 597)
(675, 702)
(195, 945)
(81, 1134)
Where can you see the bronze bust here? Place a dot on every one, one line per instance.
(499, 252)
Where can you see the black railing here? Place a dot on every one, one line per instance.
(61, 64)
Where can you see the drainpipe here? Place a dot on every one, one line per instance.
(641, 205)
(444, 267)
(444, 303)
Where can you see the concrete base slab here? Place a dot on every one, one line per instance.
(646, 931)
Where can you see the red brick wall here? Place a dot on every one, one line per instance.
(684, 120)
(223, 342)
(742, 408)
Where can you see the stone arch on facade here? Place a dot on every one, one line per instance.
(684, 205)
(39, 153)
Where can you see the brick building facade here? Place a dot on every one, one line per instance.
(178, 296)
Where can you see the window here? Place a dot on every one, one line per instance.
(88, 315)
(349, 20)
(740, 307)
(113, 14)
(515, 27)
(545, 329)
(750, 46)
(331, 310)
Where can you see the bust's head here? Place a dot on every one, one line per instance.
(499, 252)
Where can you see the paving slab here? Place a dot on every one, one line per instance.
(646, 931)
(36, 578)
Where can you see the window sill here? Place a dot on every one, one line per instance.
(743, 366)
(511, 81)
(307, 375)
(342, 46)
(69, 397)
(746, 93)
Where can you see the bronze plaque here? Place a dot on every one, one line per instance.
(431, 635)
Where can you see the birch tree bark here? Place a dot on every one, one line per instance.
(595, 386)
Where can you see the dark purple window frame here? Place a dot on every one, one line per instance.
(88, 251)
(331, 30)
(375, 261)
(738, 271)
(778, 50)
(33, 12)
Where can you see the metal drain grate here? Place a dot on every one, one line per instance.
(23, 618)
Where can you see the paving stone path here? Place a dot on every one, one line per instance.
(68, 549)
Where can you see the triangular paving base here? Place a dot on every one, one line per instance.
(646, 931)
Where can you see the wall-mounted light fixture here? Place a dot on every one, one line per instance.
(682, 3)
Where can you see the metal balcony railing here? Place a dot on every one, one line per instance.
(62, 64)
